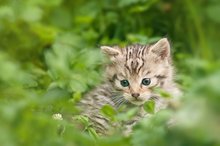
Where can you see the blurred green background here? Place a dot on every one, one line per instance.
(49, 57)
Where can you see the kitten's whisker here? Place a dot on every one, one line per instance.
(119, 101)
(154, 97)
(124, 101)
(116, 98)
(116, 93)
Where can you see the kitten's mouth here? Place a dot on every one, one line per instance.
(137, 101)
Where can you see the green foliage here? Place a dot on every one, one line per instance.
(108, 111)
(49, 58)
(149, 106)
(162, 93)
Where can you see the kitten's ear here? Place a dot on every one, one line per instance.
(110, 51)
(161, 48)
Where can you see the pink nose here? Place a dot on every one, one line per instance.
(135, 95)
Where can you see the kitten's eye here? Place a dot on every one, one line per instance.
(146, 81)
(124, 83)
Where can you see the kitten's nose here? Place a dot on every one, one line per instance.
(135, 95)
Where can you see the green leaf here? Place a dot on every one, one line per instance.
(149, 106)
(124, 3)
(6, 12)
(108, 111)
(92, 133)
(162, 93)
(83, 119)
(76, 85)
(211, 12)
(125, 116)
(165, 94)
(77, 96)
(32, 14)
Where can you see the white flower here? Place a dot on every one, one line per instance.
(57, 116)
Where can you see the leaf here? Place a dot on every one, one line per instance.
(6, 12)
(165, 94)
(137, 38)
(77, 96)
(162, 93)
(125, 116)
(149, 106)
(83, 119)
(92, 133)
(124, 3)
(77, 85)
(32, 14)
(108, 111)
(211, 12)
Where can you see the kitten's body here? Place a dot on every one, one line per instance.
(132, 75)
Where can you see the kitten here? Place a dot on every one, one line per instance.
(131, 76)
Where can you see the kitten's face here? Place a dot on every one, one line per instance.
(137, 69)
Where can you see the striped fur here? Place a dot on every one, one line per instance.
(132, 63)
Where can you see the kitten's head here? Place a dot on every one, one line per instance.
(136, 69)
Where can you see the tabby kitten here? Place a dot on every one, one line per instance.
(131, 76)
